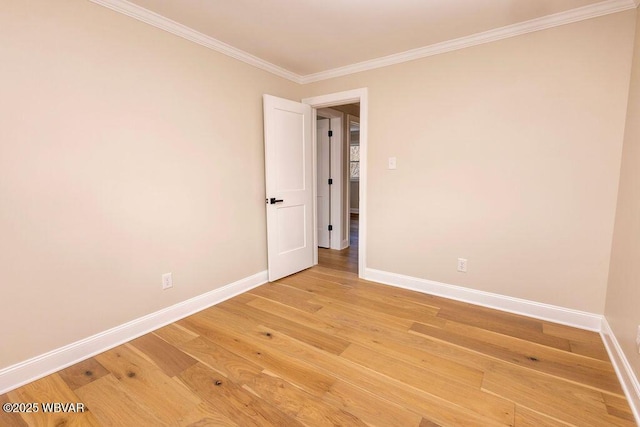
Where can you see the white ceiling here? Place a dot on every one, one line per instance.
(314, 37)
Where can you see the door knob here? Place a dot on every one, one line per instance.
(273, 200)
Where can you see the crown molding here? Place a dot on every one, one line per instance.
(574, 15)
(159, 21)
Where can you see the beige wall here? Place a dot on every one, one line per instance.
(125, 152)
(354, 194)
(508, 155)
(352, 109)
(623, 293)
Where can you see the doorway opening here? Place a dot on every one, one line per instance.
(338, 186)
(339, 99)
(291, 181)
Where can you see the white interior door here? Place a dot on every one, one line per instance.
(323, 193)
(289, 186)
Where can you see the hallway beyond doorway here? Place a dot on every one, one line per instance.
(346, 259)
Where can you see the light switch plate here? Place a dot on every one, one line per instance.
(392, 162)
(167, 281)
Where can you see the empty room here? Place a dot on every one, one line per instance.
(232, 213)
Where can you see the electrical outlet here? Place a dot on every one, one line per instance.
(392, 163)
(462, 265)
(638, 339)
(167, 281)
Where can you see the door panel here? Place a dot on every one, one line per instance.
(292, 238)
(289, 186)
(290, 153)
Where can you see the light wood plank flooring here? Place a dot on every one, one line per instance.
(323, 348)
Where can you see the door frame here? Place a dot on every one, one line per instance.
(330, 100)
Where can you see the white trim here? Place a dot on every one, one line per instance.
(314, 153)
(35, 368)
(574, 15)
(552, 313)
(342, 98)
(628, 380)
(159, 21)
(354, 210)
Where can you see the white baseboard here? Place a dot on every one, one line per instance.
(552, 313)
(354, 210)
(626, 376)
(565, 316)
(30, 370)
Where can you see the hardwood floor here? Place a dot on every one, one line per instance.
(325, 348)
(347, 259)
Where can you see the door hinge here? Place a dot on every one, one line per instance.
(331, 228)
(330, 181)
(330, 133)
